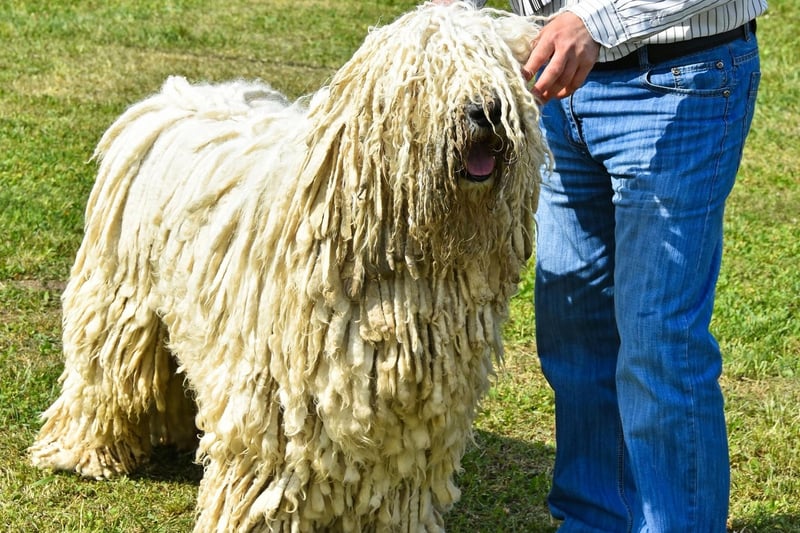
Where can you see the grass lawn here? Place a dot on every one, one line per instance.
(68, 68)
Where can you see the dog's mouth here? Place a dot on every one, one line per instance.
(481, 162)
(484, 152)
(485, 158)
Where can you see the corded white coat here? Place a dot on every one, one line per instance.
(320, 275)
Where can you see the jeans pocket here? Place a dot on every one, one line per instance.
(706, 78)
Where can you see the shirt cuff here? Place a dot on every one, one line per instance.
(602, 21)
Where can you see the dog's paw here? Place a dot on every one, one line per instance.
(107, 462)
(95, 463)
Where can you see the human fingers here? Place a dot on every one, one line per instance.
(540, 54)
(567, 49)
(578, 78)
(561, 78)
(556, 76)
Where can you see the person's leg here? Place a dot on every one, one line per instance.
(673, 141)
(674, 158)
(576, 332)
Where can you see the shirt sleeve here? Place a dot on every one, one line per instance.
(614, 22)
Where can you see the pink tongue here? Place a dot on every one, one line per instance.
(480, 161)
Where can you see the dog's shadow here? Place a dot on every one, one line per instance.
(504, 486)
(169, 464)
(504, 483)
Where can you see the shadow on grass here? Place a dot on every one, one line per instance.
(504, 484)
(168, 464)
(504, 487)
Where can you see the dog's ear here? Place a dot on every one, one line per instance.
(519, 34)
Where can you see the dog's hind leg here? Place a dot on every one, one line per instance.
(173, 411)
(117, 374)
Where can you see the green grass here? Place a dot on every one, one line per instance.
(68, 68)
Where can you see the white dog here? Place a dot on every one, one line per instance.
(319, 286)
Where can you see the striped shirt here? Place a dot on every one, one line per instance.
(622, 26)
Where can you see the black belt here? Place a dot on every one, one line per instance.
(658, 53)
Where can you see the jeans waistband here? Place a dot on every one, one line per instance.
(658, 53)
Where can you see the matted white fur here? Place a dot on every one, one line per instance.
(327, 278)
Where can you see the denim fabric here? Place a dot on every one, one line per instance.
(629, 242)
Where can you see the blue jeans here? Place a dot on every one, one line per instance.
(629, 242)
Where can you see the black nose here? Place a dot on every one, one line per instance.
(485, 115)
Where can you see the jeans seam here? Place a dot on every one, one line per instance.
(692, 408)
(575, 136)
(621, 479)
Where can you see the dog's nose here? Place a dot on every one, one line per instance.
(485, 115)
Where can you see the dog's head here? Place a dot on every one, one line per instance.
(429, 137)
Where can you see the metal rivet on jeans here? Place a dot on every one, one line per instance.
(676, 71)
(720, 65)
(726, 93)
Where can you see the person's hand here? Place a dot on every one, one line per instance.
(568, 46)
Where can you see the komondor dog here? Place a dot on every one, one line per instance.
(319, 286)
